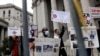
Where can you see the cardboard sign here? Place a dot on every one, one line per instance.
(46, 47)
(94, 12)
(60, 16)
(90, 37)
(14, 31)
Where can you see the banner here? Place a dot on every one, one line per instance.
(60, 16)
(90, 37)
(94, 12)
(33, 31)
(14, 31)
(47, 47)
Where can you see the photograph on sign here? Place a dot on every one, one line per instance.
(38, 48)
(47, 48)
(33, 31)
(74, 40)
(14, 31)
(60, 16)
(88, 19)
(90, 37)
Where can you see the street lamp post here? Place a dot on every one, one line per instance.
(77, 26)
(25, 29)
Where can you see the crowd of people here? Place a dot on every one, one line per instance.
(14, 43)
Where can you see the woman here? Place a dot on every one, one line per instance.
(59, 34)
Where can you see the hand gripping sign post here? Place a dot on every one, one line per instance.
(46, 47)
(90, 37)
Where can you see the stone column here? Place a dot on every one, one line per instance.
(85, 5)
(6, 32)
(35, 22)
(66, 37)
(66, 7)
(2, 35)
(54, 7)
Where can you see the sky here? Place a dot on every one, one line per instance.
(18, 3)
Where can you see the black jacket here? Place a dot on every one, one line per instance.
(61, 49)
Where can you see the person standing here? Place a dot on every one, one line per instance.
(58, 34)
(31, 46)
(13, 44)
(45, 32)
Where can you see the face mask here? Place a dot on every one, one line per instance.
(46, 32)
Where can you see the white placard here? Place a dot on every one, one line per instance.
(60, 16)
(94, 12)
(14, 31)
(46, 47)
(90, 37)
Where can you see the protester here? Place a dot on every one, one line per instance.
(59, 34)
(31, 46)
(56, 33)
(45, 32)
(13, 43)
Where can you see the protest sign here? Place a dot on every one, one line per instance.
(60, 16)
(94, 12)
(14, 31)
(46, 47)
(33, 31)
(89, 36)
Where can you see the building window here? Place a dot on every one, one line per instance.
(18, 17)
(17, 12)
(32, 20)
(9, 13)
(21, 16)
(3, 13)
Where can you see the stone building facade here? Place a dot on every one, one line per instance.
(11, 16)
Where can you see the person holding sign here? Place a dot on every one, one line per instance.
(13, 43)
(59, 34)
(56, 33)
(45, 32)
